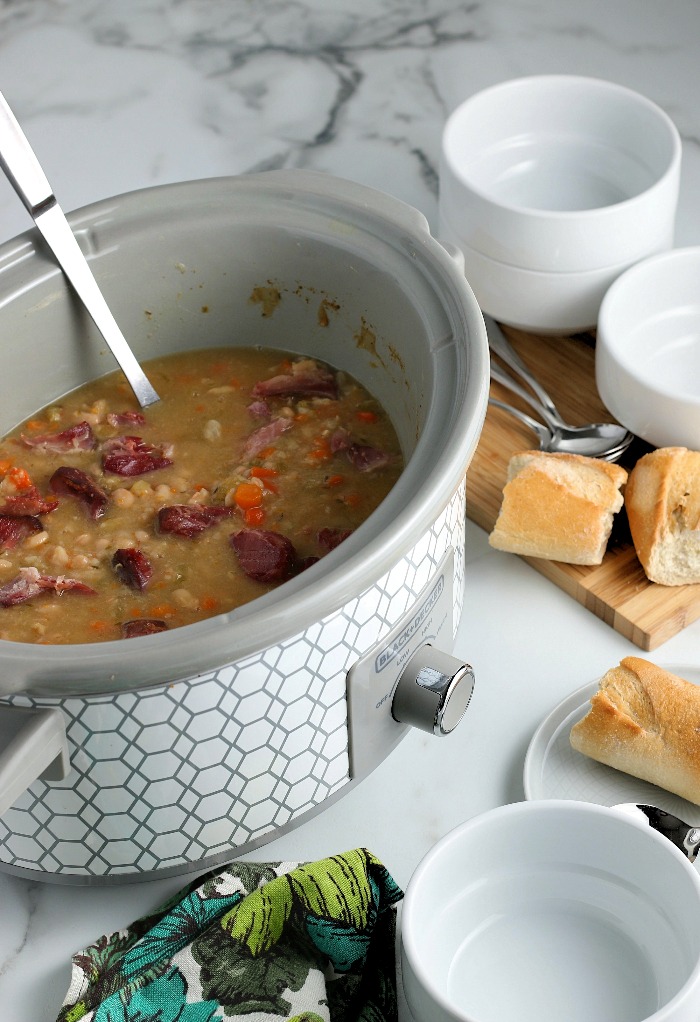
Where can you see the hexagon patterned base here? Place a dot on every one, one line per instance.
(190, 774)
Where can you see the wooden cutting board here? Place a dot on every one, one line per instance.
(617, 590)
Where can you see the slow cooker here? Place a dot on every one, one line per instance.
(159, 754)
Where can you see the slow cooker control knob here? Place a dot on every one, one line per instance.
(433, 691)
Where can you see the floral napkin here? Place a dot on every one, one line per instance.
(257, 942)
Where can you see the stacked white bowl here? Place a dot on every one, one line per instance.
(552, 186)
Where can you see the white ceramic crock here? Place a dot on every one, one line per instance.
(190, 746)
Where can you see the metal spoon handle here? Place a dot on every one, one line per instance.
(24, 173)
(514, 387)
(499, 344)
(543, 432)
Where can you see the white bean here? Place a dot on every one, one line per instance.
(38, 539)
(123, 497)
(59, 556)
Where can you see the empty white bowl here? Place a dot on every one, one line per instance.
(560, 173)
(648, 349)
(535, 300)
(549, 911)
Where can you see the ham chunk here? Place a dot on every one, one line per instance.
(142, 626)
(190, 519)
(265, 436)
(259, 409)
(28, 584)
(306, 379)
(73, 482)
(363, 457)
(28, 503)
(15, 528)
(132, 456)
(132, 567)
(76, 438)
(329, 539)
(126, 419)
(264, 556)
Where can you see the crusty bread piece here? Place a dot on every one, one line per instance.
(646, 722)
(558, 506)
(662, 499)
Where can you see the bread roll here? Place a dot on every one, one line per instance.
(558, 506)
(646, 722)
(662, 499)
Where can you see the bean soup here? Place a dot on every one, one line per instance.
(117, 522)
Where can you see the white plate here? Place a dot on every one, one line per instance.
(554, 770)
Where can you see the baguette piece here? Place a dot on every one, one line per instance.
(662, 499)
(645, 721)
(558, 506)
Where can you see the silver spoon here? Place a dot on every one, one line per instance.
(498, 343)
(554, 440)
(589, 440)
(679, 833)
(24, 172)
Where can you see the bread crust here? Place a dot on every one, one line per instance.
(645, 722)
(662, 499)
(558, 506)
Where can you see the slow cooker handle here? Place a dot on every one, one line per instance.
(33, 743)
(433, 691)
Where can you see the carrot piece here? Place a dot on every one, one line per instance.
(163, 610)
(35, 425)
(367, 416)
(352, 499)
(20, 478)
(335, 480)
(209, 603)
(247, 495)
(266, 474)
(254, 516)
(5, 466)
(301, 417)
(322, 451)
(267, 452)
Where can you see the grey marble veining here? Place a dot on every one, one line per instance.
(116, 96)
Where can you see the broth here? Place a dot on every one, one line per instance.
(117, 522)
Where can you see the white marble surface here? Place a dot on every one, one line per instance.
(119, 96)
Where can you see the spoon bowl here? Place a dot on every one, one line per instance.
(556, 440)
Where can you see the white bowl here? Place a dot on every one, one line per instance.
(534, 300)
(560, 173)
(648, 349)
(550, 911)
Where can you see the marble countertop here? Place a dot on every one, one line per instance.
(120, 96)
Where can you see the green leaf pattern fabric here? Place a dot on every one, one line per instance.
(257, 942)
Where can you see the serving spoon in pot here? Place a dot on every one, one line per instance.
(24, 172)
